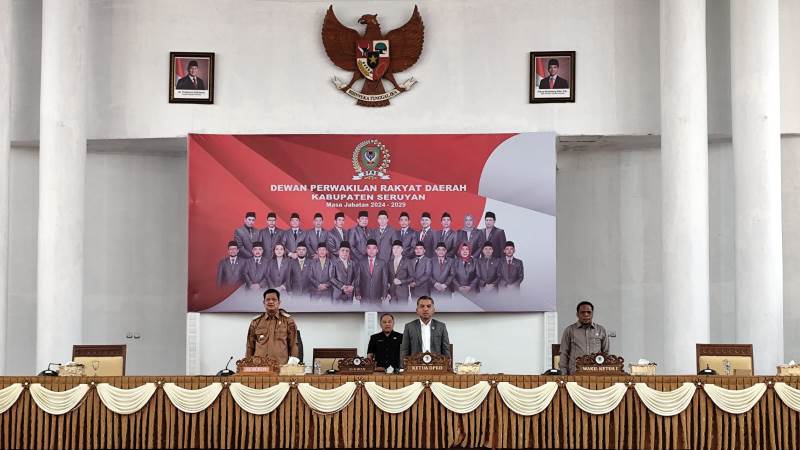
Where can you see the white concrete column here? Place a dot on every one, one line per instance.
(5, 154)
(62, 161)
(755, 98)
(684, 182)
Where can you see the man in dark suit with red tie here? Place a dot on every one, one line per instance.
(373, 279)
(511, 271)
(426, 235)
(191, 82)
(553, 81)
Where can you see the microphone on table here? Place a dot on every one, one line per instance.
(49, 372)
(332, 370)
(226, 372)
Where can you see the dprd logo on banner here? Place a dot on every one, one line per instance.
(371, 160)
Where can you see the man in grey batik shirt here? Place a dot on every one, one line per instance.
(583, 337)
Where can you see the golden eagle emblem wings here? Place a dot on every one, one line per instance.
(373, 56)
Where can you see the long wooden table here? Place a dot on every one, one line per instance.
(769, 425)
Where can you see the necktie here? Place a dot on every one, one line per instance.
(552, 82)
(403, 233)
(272, 233)
(441, 263)
(232, 261)
(295, 235)
(382, 230)
(416, 263)
(258, 260)
(444, 235)
(318, 235)
(422, 236)
(194, 81)
(301, 263)
(488, 232)
(469, 233)
(250, 231)
(371, 265)
(341, 235)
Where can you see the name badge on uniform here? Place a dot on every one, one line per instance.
(261, 338)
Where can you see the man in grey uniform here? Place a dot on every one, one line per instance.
(300, 278)
(488, 271)
(420, 272)
(425, 334)
(448, 236)
(493, 234)
(583, 337)
(316, 235)
(294, 235)
(272, 235)
(358, 237)
(246, 235)
(230, 270)
(426, 233)
(255, 271)
(336, 235)
(442, 273)
(320, 276)
(344, 275)
(384, 235)
(406, 235)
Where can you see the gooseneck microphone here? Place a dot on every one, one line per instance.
(226, 372)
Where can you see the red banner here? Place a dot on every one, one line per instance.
(308, 175)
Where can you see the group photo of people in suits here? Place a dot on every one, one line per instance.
(373, 262)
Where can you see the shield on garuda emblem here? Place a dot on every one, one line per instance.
(370, 157)
(372, 58)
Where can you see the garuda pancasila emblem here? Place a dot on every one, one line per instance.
(374, 56)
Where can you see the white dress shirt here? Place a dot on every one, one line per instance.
(426, 335)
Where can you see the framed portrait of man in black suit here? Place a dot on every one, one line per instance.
(191, 77)
(552, 77)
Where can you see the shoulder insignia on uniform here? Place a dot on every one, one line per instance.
(284, 313)
(258, 316)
